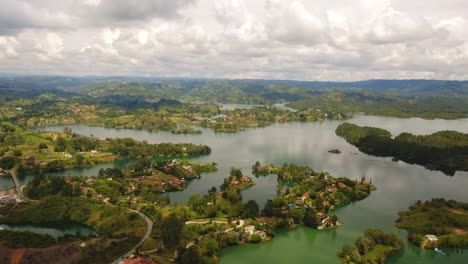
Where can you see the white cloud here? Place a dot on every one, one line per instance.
(299, 39)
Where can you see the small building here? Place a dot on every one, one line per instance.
(138, 260)
(261, 234)
(245, 178)
(188, 168)
(67, 156)
(432, 238)
(94, 151)
(331, 188)
(305, 196)
(7, 199)
(299, 202)
(89, 181)
(249, 229)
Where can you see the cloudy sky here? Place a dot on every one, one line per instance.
(274, 39)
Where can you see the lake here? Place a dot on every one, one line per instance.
(55, 229)
(398, 184)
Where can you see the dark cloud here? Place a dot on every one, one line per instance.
(128, 11)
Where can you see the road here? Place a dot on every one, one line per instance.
(241, 223)
(149, 229)
(17, 184)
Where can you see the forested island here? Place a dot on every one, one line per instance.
(374, 247)
(446, 151)
(436, 223)
(309, 197)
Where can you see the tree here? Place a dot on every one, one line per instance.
(269, 208)
(60, 144)
(189, 255)
(171, 228)
(42, 146)
(236, 173)
(310, 218)
(79, 160)
(251, 209)
(7, 162)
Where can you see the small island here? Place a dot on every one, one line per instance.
(374, 247)
(306, 197)
(186, 130)
(445, 151)
(438, 223)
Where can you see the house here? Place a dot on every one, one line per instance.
(7, 199)
(299, 202)
(245, 178)
(432, 238)
(341, 185)
(305, 196)
(331, 188)
(261, 234)
(235, 182)
(249, 229)
(94, 151)
(67, 156)
(320, 215)
(138, 260)
(89, 181)
(188, 168)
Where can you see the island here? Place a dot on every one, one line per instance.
(306, 197)
(445, 151)
(374, 247)
(437, 223)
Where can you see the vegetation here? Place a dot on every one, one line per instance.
(306, 197)
(374, 247)
(15, 239)
(446, 151)
(33, 152)
(113, 224)
(447, 219)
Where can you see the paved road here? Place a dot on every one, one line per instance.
(241, 223)
(149, 229)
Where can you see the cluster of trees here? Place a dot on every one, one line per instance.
(129, 147)
(446, 151)
(374, 247)
(42, 186)
(25, 239)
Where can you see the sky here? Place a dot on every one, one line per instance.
(333, 40)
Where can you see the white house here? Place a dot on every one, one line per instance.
(432, 238)
(249, 229)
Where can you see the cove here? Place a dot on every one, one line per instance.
(398, 184)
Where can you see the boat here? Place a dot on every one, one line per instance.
(439, 251)
(335, 151)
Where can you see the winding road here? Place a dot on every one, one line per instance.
(149, 229)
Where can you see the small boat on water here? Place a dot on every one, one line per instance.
(439, 251)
